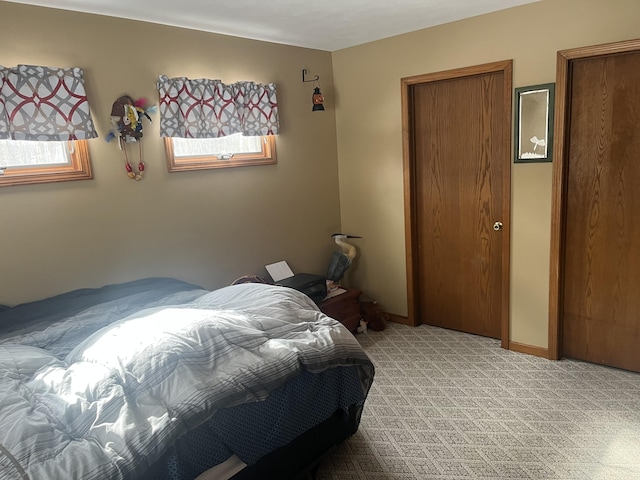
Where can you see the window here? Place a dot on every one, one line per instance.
(185, 154)
(29, 162)
(44, 124)
(209, 124)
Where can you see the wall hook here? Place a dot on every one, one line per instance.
(304, 73)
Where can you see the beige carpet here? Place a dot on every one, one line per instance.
(448, 405)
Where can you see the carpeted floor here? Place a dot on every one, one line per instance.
(449, 405)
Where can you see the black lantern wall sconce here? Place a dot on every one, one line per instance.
(316, 98)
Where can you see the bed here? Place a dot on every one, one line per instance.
(161, 379)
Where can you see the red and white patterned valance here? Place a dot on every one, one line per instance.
(204, 108)
(44, 104)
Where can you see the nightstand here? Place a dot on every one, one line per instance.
(344, 307)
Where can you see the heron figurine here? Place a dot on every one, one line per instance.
(341, 260)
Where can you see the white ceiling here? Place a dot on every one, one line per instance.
(321, 24)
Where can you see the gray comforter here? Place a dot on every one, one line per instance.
(103, 393)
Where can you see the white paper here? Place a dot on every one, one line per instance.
(335, 293)
(279, 271)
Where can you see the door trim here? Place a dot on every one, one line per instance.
(408, 154)
(562, 121)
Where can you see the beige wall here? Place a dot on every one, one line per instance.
(208, 227)
(368, 113)
(211, 227)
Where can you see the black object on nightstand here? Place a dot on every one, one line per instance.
(314, 286)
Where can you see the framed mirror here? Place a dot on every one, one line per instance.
(534, 123)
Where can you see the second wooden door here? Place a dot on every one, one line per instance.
(600, 309)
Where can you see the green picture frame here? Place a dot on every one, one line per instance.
(534, 123)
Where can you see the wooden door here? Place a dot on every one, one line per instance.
(600, 274)
(458, 128)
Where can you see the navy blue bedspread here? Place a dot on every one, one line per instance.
(30, 316)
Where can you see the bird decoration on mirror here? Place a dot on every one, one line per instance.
(340, 260)
(537, 143)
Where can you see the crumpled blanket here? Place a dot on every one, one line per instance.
(81, 399)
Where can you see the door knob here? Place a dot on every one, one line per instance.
(497, 226)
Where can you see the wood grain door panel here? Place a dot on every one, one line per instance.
(459, 146)
(601, 273)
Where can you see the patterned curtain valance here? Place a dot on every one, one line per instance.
(204, 108)
(44, 104)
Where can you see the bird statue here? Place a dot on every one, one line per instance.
(341, 261)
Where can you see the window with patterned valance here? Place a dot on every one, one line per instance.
(44, 104)
(208, 124)
(204, 108)
(44, 122)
